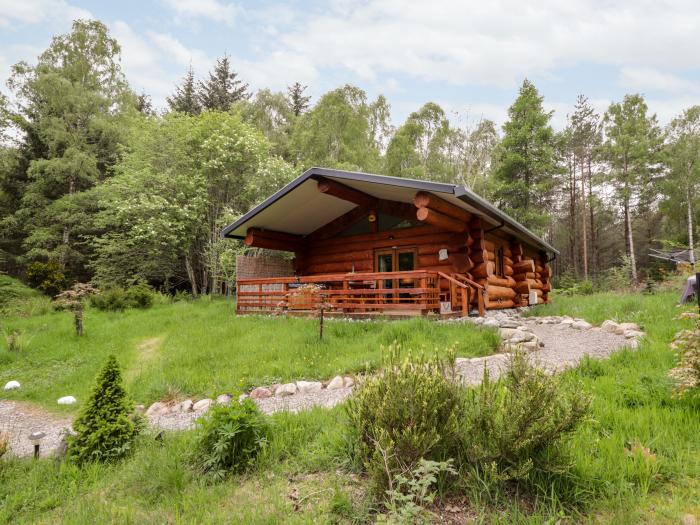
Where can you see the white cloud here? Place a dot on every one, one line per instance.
(180, 53)
(643, 79)
(38, 11)
(491, 43)
(208, 9)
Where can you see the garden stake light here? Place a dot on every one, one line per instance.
(35, 438)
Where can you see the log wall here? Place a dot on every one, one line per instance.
(507, 270)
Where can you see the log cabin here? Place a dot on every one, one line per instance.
(377, 245)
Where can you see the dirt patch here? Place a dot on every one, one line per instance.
(148, 349)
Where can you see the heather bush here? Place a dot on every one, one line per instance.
(514, 428)
(405, 413)
(686, 373)
(230, 437)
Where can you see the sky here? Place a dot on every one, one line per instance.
(468, 56)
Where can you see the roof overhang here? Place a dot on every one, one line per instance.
(299, 208)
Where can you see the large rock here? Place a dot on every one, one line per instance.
(493, 323)
(309, 387)
(509, 323)
(202, 404)
(157, 409)
(581, 325)
(224, 399)
(336, 383)
(67, 400)
(12, 385)
(287, 389)
(623, 327)
(260, 393)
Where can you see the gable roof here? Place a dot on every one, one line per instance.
(299, 208)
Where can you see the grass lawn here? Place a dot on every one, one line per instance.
(304, 477)
(202, 349)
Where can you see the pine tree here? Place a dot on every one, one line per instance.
(297, 99)
(526, 159)
(185, 98)
(144, 104)
(222, 88)
(105, 431)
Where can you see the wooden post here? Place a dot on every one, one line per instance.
(465, 303)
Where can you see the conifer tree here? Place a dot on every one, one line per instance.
(185, 99)
(223, 87)
(297, 99)
(105, 431)
(526, 160)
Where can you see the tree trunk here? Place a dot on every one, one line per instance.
(66, 233)
(594, 248)
(584, 241)
(190, 275)
(691, 239)
(633, 262)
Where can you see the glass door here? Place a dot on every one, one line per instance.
(396, 260)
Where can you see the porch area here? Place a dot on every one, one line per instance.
(397, 294)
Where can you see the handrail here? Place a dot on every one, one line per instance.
(469, 281)
(445, 276)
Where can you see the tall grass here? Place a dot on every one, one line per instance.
(203, 349)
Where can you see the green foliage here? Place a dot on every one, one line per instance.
(104, 430)
(513, 429)
(223, 88)
(405, 413)
(185, 99)
(4, 444)
(230, 439)
(47, 277)
(409, 496)
(115, 299)
(525, 160)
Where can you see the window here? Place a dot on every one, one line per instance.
(384, 223)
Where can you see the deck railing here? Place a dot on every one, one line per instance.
(417, 291)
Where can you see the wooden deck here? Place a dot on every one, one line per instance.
(401, 294)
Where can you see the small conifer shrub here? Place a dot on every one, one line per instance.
(105, 430)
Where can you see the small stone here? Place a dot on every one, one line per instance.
(157, 409)
(260, 393)
(514, 336)
(567, 321)
(224, 399)
(630, 326)
(493, 323)
(287, 389)
(336, 383)
(67, 400)
(509, 323)
(630, 334)
(186, 406)
(581, 325)
(12, 385)
(202, 404)
(243, 397)
(609, 326)
(140, 409)
(348, 381)
(477, 320)
(308, 387)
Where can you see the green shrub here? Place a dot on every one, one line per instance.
(513, 428)
(4, 443)
(105, 431)
(116, 299)
(405, 413)
(230, 439)
(47, 277)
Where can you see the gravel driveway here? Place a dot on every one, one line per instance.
(563, 347)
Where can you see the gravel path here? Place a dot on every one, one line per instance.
(563, 347)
